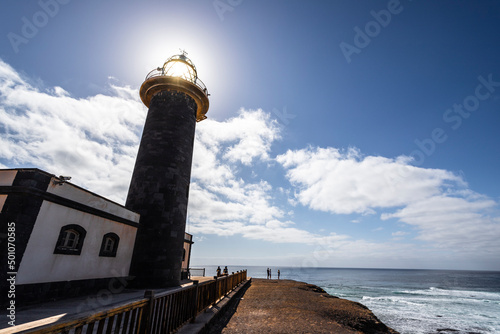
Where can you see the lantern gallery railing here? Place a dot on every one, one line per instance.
(161, 313)
(160, 72)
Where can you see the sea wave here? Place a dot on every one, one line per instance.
(434, 291)
(391, 299)
(422, 311)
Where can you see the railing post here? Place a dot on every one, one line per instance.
(145, 323)
(215, 291)
(195, 301)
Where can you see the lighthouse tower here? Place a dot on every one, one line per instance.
(159, 189)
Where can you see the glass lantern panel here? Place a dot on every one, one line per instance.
(181, 70)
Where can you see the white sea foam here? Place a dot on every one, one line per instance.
(392, 299)
(412, 301)
(433, 291)
(422, 311)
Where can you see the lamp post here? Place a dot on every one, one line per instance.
(159, 189)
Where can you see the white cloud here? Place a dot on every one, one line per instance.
(330, 180)
(200, 239)
(398, 235)
(453, 222)
(94, 140)
(247, 136)
(437, 202)
(220, 201)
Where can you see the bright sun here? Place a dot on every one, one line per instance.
(179, 68)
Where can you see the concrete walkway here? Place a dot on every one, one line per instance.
(256, 306)
(32, 316)
(286, 306)
(203, 322)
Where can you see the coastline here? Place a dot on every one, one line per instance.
(289, 306)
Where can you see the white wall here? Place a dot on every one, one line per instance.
(187, 249)
(74, 193)
(7, 177)
(187, 246)
(39, 263)
(3, 198)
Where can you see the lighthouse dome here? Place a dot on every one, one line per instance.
(180, 66)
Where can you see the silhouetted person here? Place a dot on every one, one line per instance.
(267, 273)
(270, 273)
(278, 274)
(225, 271)
(218, 271)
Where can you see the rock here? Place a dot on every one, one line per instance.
(446, 330)
(286, 306)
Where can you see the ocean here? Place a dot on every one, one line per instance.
(409, 301)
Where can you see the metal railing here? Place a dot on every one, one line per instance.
(161, 313)
(159, 72)
(197, 272)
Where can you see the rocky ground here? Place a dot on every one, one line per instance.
(286, 306)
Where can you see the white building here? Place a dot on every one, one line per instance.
(68, 240)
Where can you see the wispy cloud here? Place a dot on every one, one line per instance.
(222, 202)
(447, 221)
(246, 137)
(95, 140)
(336, 181)
(437, 202)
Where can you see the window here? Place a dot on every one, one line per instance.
(109, 245)
(70, 241)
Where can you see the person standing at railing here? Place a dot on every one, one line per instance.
(218, 271)
(225, 271)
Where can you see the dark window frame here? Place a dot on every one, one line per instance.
(107, 253)
(61, 248)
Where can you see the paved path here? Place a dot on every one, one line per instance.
(64, 308)
(285, 306)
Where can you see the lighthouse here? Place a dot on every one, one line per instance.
(159, 188)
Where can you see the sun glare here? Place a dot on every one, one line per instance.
(178, 68)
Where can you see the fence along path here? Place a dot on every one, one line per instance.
(161, 313)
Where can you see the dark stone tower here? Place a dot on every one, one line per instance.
(159, 189)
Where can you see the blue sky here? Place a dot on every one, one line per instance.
(339, 134)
